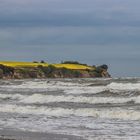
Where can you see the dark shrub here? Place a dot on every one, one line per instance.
(47, 70)
(35, 62)
(42, 61)
(7, 70)
(77, 73)
(73, 62)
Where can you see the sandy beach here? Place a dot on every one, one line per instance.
(21, 135)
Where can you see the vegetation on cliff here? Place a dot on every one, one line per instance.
(19, 70)
(36, 64)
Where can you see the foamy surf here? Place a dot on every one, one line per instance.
(42, 99)
(37, 98)
(89, 108)
(114, 113)
(124, 86)
(75, 88)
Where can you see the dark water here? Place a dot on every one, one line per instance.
(88, 108)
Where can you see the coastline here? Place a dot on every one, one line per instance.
(52, 71)
(42, 72)
(22, 135)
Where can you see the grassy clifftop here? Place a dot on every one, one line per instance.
(32, 64)
(20, 70)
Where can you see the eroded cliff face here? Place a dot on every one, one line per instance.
(7, 72)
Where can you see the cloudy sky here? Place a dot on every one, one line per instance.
(90, 31)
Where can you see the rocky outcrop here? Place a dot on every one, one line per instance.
(102, 71)
(7, 72)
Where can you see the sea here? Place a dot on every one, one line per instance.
(87, 109)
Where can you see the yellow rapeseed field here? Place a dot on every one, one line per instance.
(73, 66)
(21, 64)
(31, 64)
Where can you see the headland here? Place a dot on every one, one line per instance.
(67, 69)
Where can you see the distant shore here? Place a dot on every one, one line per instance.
(70, 69)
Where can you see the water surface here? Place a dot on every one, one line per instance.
(85, 108)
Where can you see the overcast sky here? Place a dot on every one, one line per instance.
(90, 31)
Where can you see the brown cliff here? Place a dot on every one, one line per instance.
(50, 71)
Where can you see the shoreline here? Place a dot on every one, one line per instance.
(50, 71)
(22, 135)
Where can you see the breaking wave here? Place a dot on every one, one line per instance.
(75, 87)
(116, 113)
(71, 91)
(83, 107)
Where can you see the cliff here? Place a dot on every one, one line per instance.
(50, 71)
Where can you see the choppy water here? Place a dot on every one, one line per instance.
(91, 108)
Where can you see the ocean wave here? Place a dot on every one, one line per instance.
(42, 99)
(67, 87)
(115, 113)
(74, 87)
(124, 86)
(12, 96)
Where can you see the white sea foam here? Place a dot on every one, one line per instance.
(12, 96)
(67, 87)
(42, 98)
(75, 88)
(43, 84)
(38, 98)
(115, 113)
(124, 86)
(72, 88)
(83, 90)
(28, 110)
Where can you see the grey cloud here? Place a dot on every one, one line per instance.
(71, 35)
(67, 19)
(69, 13)
(91, 31)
